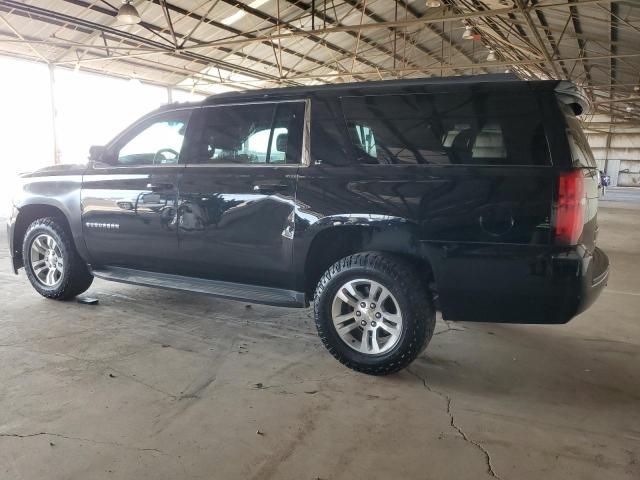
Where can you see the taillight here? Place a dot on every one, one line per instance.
(570, 208)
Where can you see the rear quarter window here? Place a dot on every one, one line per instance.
(446, 129)
(581, 154)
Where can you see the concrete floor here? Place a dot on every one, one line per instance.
(160, 385)
(623, 197)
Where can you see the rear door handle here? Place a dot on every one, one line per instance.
(155, 187)
(270, 187)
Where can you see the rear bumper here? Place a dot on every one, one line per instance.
(520, 284)
(595, 278)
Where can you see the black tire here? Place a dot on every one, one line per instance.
(75, 277)
(408, 288)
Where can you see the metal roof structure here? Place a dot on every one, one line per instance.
(212, 46)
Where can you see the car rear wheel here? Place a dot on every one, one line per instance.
(373, 313)
(51, 261)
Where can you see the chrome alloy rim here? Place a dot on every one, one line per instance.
(46, 260)
(367, 316)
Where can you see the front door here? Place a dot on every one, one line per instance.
(129, 198)
(236, 200)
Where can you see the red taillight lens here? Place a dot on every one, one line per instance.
(570, 209)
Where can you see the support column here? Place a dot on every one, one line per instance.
(606, 153)
(54, 114)
(169, 95)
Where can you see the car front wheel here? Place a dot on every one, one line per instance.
(373, 312)
(51, 261)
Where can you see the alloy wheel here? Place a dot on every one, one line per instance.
(367, 316)
(46, 260)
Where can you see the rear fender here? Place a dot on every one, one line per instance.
(374, 233)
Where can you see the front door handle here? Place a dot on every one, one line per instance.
(270, 187)
(155, 187)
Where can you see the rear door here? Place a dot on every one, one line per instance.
(236, 200)
(129, 199)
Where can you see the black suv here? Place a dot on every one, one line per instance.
(379, 202)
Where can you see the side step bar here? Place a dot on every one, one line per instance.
(233, 291)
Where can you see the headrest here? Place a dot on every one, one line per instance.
(224, 140)
(281, 142)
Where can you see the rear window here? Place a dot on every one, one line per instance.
(581, 154)
(476, 129)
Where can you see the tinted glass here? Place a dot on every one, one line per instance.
(580, 150)
(269, 133)
(480, 129)
(329, 144)
(158, 143)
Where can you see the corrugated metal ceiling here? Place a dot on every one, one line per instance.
(216, 45)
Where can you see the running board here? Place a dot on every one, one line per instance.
(233, 291)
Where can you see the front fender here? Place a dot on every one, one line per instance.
(60, 192)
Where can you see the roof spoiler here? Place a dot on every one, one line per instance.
(574, 96)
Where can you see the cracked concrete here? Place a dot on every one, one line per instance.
(452, 420)
(152, 384)
(67, 437)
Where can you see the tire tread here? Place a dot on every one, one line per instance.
(79, 278)
(407, 280)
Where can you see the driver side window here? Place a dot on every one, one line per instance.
(159, 143)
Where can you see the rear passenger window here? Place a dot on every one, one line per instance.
(472, 129)
(580, 150)
(329, 144)
(267, 133)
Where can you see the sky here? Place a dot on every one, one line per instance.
(91, 109)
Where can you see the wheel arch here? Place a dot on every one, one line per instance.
(27, 214)
(337, 238)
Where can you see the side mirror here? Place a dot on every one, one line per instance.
(96, 152)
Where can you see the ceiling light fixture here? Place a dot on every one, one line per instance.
(433, 3)
(492, 56)
(128, 14)
(231, 19)
(636, 88)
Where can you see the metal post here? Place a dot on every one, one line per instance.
(606, 152)
(54, 114)
(169, 95)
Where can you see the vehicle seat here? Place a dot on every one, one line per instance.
(223, 147)
(281, 144)
(459, 144)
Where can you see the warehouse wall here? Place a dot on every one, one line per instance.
(617, 152)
